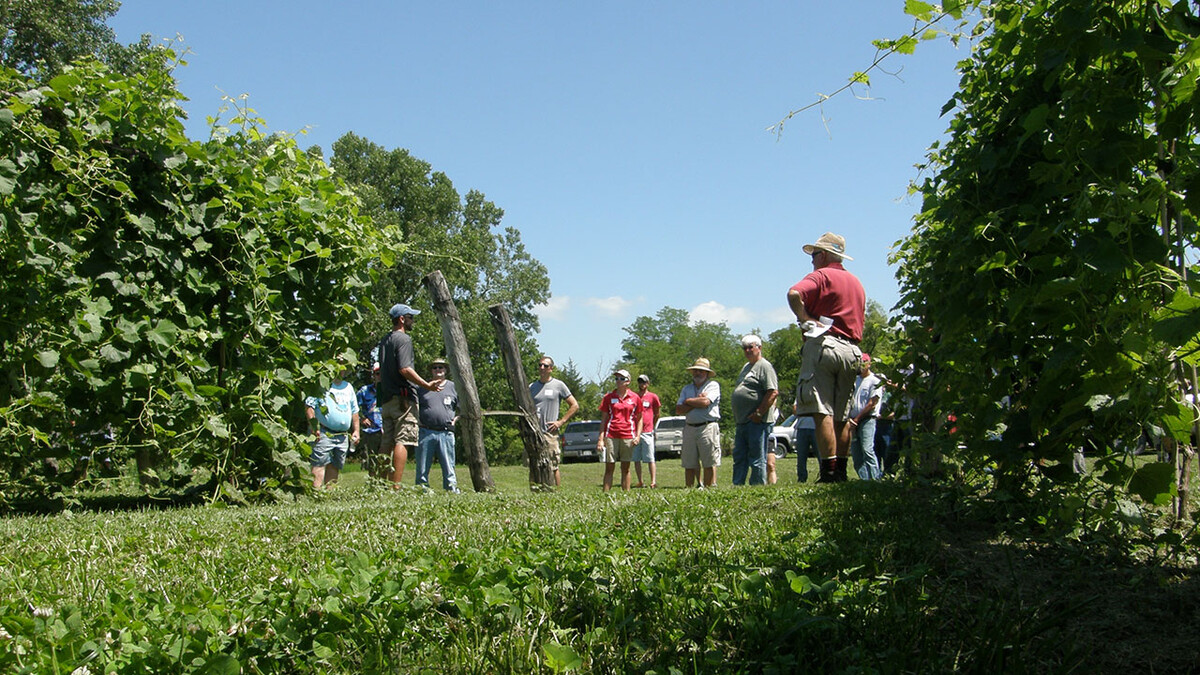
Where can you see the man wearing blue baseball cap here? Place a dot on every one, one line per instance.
(397, 393)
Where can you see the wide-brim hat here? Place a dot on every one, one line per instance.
(834, 243)
(701, 364)
(439, 362)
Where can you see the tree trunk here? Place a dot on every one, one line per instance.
(537, 450)
(463, 374)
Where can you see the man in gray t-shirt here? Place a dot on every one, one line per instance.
(548, 394)
(754, 394)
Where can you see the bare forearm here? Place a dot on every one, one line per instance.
(796, 303)
(415, 378)
(767, 402)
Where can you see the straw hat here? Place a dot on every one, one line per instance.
(833, 243)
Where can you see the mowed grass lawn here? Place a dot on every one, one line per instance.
(856, 577)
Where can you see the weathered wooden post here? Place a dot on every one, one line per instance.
(469, 409)
(537, 450)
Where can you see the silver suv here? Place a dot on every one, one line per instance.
(578, 440)
(783, 437)
(668, 437)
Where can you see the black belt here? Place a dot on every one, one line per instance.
(438, 428)
(701, 424)
(842, 339)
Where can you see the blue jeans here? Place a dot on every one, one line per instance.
(806, 446)
(750, 452)
(862, 450)
(440, 444)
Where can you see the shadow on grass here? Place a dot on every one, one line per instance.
(980, 600)
(107, 502)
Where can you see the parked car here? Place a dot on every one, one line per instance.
(578, 440)
(783, 437)
(668, 437)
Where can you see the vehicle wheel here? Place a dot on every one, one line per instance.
(779, 449)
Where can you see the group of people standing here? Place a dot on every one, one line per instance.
(399, 413)
(628, 420)
(836, 390)
(627, 429)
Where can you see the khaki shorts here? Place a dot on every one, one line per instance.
(829, 366)
(399, 423)
(701, 446)
(555, 451)
(618, 449)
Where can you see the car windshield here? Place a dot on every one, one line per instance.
(789, 422)
(671, 423)
(580, 427)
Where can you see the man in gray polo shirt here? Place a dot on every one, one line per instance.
(438, 413)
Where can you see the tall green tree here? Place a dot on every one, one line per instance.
(586, 393)
(879, 339)
(664, 345)
(43, 36)
(782, 348)
(1049, 296)
(175, 297)
(484, 263)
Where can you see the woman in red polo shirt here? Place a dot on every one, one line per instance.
(620, 427)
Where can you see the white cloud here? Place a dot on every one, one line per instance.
(612, 306)
(780, 316)
(714, 312)
(555, 309)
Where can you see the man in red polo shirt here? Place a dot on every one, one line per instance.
(830, 304)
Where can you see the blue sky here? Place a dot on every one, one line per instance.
(627, 141)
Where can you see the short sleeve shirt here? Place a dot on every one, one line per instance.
(712, 390)
(368, 406)
(621, 410)
(547, 397)
(835, 293)
(336, 409)
(395, 354)
(752, 385)
(865, 388)
(650, 408)
(438, 407)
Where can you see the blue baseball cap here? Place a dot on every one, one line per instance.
(400, 309)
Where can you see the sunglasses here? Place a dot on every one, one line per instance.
(621, 379)
(545, 365)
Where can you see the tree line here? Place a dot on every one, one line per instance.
(171, 300)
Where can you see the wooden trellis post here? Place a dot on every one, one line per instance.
(469, 409)
(541, 469)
